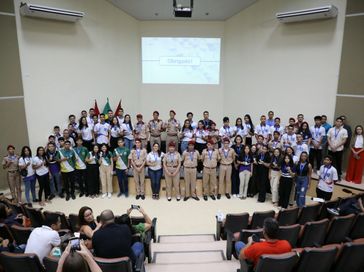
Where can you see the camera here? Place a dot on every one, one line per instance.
(135, 207)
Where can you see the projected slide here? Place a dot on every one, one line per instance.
(181, 60)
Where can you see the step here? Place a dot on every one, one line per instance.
(168, 247)
(223, 266)
(188, 238)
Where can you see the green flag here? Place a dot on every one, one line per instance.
(106, 108)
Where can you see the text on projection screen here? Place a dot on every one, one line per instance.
(180, 60)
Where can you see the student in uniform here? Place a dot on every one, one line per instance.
(277, 126)
(327, 178)
(326, 126)
(186, 135)
(190, 157)
(93, 172)
(171, 167)
(275, 174)
(227, 157)
(263, 164)
(102, 131)
(300, 146)
(95, 119)
(286, 181)
(138, 157)
(141, 131)
(120, 156)
(54, 170)
(270, 121)
(318, 133)
(10, 164)
(275, 142)
(28, 174)
(213, 133)
(291, 122)
(289, 151)
(226, 131)
(289, 138)
(127, 131)
(263, 129)
(72, 121)
(106, 168)
(304, 130)
(172, 127)
(252, 186)
(66, 157)
(155, 127)
(190, 118)
(336, 137)
(239, 128)
(86, 132)
(209, 158)
(249, 130)
(120, 116)
(155, 169)
(109, 116)
(115, 133)
(206, 120)
(42, 173)
(235, 180)
(90, 117)
(81, 171)
(245, 166)
(200, 134)
(303, 178)
(354, 172)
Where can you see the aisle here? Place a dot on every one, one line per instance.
(191, 253)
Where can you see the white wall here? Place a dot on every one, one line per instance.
(183, 97)
(288, 68)
(66, 66)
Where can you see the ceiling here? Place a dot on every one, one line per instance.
(210, 10)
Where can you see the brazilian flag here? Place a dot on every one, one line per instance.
(106, 109)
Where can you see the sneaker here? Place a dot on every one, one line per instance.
(143, 197)
(228, 196)
(119, 194)
(333, 211)
(109, 195)
(185, 198)
(178, 198)
(169, 198)
(137, 197)
(218, 196)
(213, 197)
(234, 195)
(205, 197)
(104, 195)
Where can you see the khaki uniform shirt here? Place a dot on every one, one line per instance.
(227, 157)
(173, 127)
(138, 157)
(172, 159)
(155, 127)
(211, 158)
(14, 161)
(190, 159)
(141, 131)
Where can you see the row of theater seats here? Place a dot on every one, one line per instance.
(12, 262)
(347, 257)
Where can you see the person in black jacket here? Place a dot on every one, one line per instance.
(112, 240)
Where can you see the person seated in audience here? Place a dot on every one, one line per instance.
(6, 246)
(112, 240)
(88, 225)
(44, 238)
(8, 217)
(251, 252)
(77, 260)
(352, 205)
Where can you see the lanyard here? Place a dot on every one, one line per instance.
(247, 159)
(302, 166)
(262, 156)
(317, 132)
(155, 156)
(171, 157)
(238, 149)
(276, 128)
(192, 155)
(227, 131)
(226, 153)
(326, 174)
(299, 147)
(210, 154)
(138, 153)
(336, 133)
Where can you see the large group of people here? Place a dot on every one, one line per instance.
(237, 160)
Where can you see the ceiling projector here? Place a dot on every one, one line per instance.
(181, 11)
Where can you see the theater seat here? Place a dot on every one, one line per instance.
(118, 264)
(258, 218)
(317, 259)
(290, 233)
(73, 221)
(12, 262)
(277, 263)
(64, 221)
(36, 216)
(327, 204)
(313, 233)
(50, 263)
(351, 257)
(309, 213)
(244, 235)
(339, 229)
(288, 217)
(21, 234)
(357, 231)
(233, 223)
(5, 232)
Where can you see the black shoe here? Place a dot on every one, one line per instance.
(87, 195)
(67, 197)
(73, 196)
(119, 194)
(137, 196)
(169, 199)
(213, 197)
(61, 195)
(218, 196)
(205, 197)
(185, 198)
(81, 195)
(196, 198)
(228, 196)
(51, 197)
(36, 200)
(143, 197)
(178, 198)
